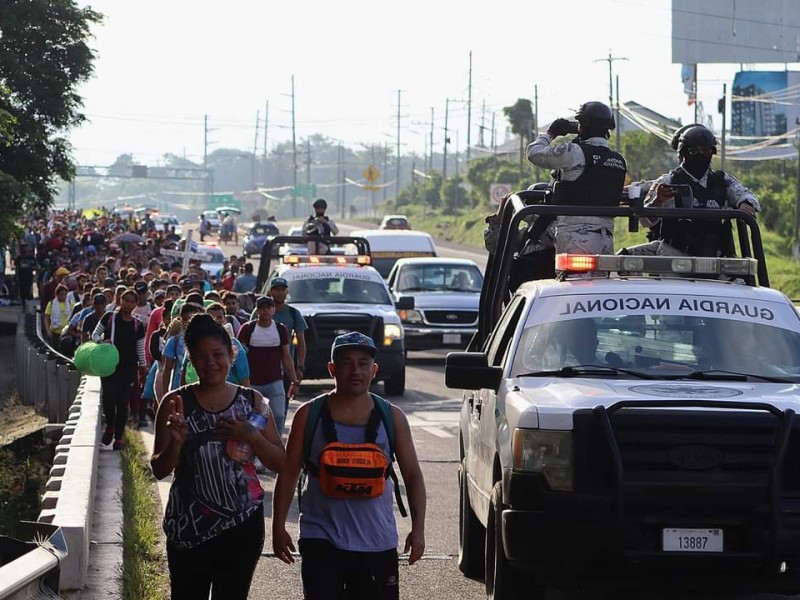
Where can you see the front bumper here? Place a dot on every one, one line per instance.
(432, 338)
(573, 539)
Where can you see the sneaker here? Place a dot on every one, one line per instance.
(119, 444)
(108, 435)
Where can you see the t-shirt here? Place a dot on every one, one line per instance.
(128, 337)
(244, 283)
(264, 350)
(293, 320)
(176, 350)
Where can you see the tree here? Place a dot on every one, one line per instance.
(520, 117)
(43, 59)
(646, 155)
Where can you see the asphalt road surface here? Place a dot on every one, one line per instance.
(432, 410)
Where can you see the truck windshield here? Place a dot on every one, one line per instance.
(439, 278)
(337, 289)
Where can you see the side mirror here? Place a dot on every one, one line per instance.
(405, 303)
(470, 371)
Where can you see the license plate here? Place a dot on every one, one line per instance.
(692, 540)
(451, 338)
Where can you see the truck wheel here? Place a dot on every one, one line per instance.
(503, 581)
(395, 385)
(471, 534)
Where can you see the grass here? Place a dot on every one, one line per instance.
(23, 476)
(144, 574)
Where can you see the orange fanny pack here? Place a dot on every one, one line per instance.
(353, 470)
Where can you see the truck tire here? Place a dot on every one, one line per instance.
(395, 385)
(471, 534)
(504, 581)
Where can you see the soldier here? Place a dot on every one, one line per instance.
(693, 184)
(587, 172)
(319, 225)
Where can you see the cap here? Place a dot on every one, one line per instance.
(278, 282)
(99, 299)
(109, 282)
(159, 293)
(355, 340)
(91, 248)
(262, 300)
(140, 286)
(62, 271)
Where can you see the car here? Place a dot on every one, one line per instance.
(212, 216)
(445, 293)
(630, 423)
(214, 266)
(165, 222)
(387, 246)
(257, 234)
(337, 294)
(394, 222)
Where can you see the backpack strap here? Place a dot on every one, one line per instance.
(385, 409)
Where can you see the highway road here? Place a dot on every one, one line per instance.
(432, 410)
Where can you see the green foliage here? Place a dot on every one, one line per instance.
(43, 59)
(647, 155)
(520, 117)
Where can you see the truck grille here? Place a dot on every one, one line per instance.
(322, 329)
(451, 317)
(684, 453)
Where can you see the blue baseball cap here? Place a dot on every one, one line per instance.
(277, 282)
(354, 340)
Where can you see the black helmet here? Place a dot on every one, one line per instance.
(677, 136)
(595, 114)
(695, 136)
(320, 202)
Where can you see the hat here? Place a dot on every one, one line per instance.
(99, 299)
(320, 202)
(262, 300)
(109, 282)
(278, 282)
(354, 339)
(91, 248)
(159, 293)
(140, 286)
(62, 271)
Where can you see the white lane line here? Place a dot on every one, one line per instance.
(440, 433)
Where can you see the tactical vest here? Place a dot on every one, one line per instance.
(601, 182)
(702, 237)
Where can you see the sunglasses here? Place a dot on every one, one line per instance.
(702, 150)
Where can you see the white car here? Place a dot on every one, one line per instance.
(337, 297)
(212, 216)
(213, 266)
(166, 222)
(633, 431)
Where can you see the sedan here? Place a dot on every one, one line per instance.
(256, 237)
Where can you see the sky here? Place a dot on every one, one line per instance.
(161, 66)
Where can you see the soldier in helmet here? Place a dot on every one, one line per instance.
(693, 184)
(320, 225)
(586, 172)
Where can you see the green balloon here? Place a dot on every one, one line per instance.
(103, 360)
(82, 354)
(190, 374)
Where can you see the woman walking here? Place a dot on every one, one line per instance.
(209, 433)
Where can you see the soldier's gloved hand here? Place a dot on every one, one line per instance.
(559, 127)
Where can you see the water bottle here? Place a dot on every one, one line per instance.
(242, 451)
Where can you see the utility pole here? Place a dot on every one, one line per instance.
(255, 150)
(209, 182)
(372, 192)
(494, 142)
(397, 166)
(536, 123)
(430, 165)
(294, 157)
(340, 180)
(455, 187)
(610, 59)
(616, 115)
(266, 131)
(722, 108)
(446, 139)
(385, 167)
(308, 163)
(483, 125)
(469, 107)
(796, 241)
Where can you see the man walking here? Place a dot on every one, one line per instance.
(295, 325)
(349, 544)
(267, 344)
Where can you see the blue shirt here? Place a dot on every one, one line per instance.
(244, 283)
(293, 321)
(176, 350)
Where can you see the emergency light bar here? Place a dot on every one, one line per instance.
(296, 259)
(683, 265)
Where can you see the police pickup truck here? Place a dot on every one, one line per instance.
(336, 294)
(632, 428)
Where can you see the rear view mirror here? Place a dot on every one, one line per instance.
(470, 371)
(405, 303)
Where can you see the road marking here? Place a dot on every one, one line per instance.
(440, 433)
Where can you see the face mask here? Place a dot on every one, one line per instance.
(697, 165)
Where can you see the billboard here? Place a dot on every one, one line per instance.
(721, 31)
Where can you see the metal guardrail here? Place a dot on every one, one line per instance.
(45, 378)
(29, 570)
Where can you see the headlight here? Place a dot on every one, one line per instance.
(545, 452)
(391, 333)
(410, 316)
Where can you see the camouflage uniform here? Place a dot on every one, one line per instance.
(584, 235)
(735, 195)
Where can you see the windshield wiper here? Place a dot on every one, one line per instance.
(588, 371)
(723, 375)
(417, 289)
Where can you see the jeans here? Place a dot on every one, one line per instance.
(116, 398)
(277, 400)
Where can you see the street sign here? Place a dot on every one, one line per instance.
(217, 200)
(305, 190)
(371, 174)
(497, 191)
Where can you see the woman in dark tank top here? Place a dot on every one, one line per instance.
(208, 433)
